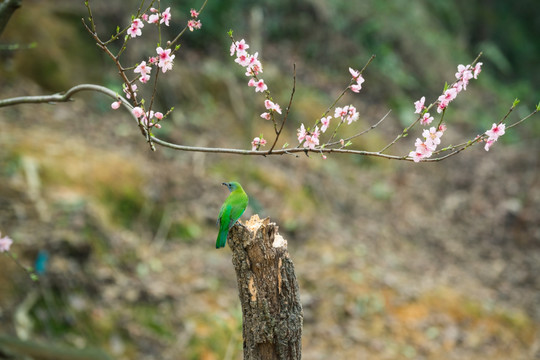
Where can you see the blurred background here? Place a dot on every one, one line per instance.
(395, 260)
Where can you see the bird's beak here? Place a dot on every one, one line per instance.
(224, 184)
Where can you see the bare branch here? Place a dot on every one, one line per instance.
(287, 111)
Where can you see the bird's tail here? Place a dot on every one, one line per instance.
(221, 239)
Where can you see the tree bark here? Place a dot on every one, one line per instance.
(268, 290)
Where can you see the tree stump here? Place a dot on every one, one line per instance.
(268, 290)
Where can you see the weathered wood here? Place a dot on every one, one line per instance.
(268, 291)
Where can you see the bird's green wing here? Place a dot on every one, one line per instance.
(223, 223)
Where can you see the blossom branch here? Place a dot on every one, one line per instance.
(327, 111)
(68, 95)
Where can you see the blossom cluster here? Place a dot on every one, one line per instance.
(257, 142)
(254, 67)
(193, 23)
(271, 106)
(358, 78)
(163, 60)
(150, 119)
(250, 62)
(493, 134)
(156, 17)
(426, 147)
(310, 139)
(463, 75)
(5, 243)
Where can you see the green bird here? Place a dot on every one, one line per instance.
(231, 210)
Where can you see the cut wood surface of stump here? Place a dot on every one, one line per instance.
(268, 291)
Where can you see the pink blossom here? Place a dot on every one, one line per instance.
(158, 115)
(442, 127)
(137, 23)
(260, 86)
(442, 105)
(166, 16)
(341, 112)
(194, 24)
(153, 10)
(356, 88)
(232, 49)
(489, 142)
(347, 113)
(242, 58)
(266, 116)
(419, 105)
(446, 98)
(134, 31)
(137, 111)
(154, 18)
(426, 119)
(165, 59)
(312, 139)
(5, 243)
(254, 66)
(477, 69)
(325, 121)
(358, 78)
(352, 115)
(257, 142)
(144, 78)
(163, 54)
(416, 156)
(252, 82)
(152, 60)
(241, 45)
(133, 89)
(449, 95)
(272, 106)
(144, 70)
(144, 17)
(463, 75)
(425, 147)
(115, 105)
(461, 70)
(194, 13)
(496, 131)
(301, 133)
(432, 136)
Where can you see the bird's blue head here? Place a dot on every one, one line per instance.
(233, 185)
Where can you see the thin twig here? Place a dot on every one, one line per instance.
(362, 132)
(185, 28)
(287, 111)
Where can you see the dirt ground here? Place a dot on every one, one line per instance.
(394, 260)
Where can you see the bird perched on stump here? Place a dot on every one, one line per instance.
(231, 210)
